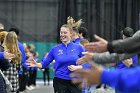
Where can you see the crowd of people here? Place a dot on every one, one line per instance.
(89, 56)
(13, 58)
(77, 64)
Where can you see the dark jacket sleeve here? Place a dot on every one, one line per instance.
(130, 45)
(106, 57)
(4, 63)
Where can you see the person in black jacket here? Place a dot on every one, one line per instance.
(130, 45)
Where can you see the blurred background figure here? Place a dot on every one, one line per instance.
(31, 54)
(46, 71)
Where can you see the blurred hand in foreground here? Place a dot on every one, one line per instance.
(92, 75)
(85, 59)
(99, 46)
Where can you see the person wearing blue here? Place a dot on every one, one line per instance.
(64, 54)
(79, 34)
(127, 63)
(131, 62)
(46, 71)
(126, 81)
(119, 79)
(75, 37)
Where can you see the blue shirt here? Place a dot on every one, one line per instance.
(43, 59)
(23, 54)
(63, 56)
(77, 41)
(120, 65)
(2, 55)
(126, 81)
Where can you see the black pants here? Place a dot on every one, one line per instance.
(32, 77)
(65, 86)
(23, 80)
(34, 74)
(46, 71)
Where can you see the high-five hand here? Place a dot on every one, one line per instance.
(85, 59)
(31, 62)
(91, 75)
(99, 46)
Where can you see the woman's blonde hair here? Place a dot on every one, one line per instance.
(11, 44)
(72, 23)
(2, 36)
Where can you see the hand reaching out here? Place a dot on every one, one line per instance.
(74, 68)
(31, 62)
(85, 59)
(91, 75)
(99, 46)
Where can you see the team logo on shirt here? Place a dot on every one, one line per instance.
(72, 50)
(60, 52)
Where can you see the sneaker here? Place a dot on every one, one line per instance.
(100, 89)
(28, 88)
(32, 87)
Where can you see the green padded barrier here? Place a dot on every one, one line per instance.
(42, 48)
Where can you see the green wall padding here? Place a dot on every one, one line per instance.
(42, 48)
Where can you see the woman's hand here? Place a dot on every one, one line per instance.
(8, 56)
(31, 62)
(73, 67)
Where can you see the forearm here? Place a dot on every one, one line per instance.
(106, 57)
(130, 45)
(120, 46)
(103, 58)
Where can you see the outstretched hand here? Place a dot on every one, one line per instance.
(31, 62)
(85, 59)
(74, 68)
(91, 75)
(99, 46)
